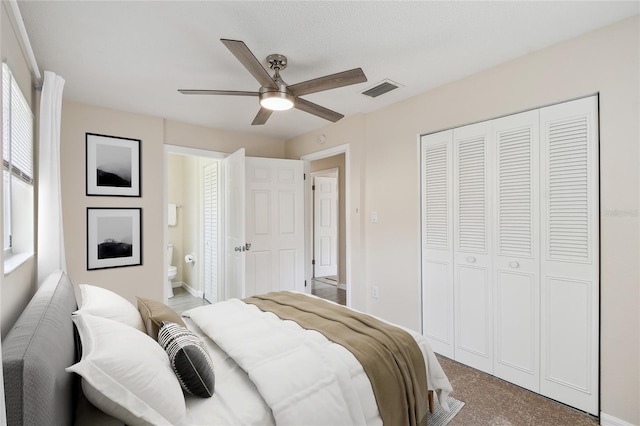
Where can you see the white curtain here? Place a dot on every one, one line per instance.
(51, 255)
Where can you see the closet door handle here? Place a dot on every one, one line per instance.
(471, 259)
(514, 264)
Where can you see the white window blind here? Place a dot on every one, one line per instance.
(17, 150)
(17, 167)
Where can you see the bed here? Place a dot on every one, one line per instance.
(266, 370)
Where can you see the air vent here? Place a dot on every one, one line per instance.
(381, 88)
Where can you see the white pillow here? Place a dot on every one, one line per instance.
(126, 374)
(104, 303)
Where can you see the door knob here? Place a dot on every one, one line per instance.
(471, 259)
(514, 264)
(239, 248)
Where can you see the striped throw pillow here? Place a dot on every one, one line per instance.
(189, 359)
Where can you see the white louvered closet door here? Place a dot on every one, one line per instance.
(517, 258)
(437, 241)
(570, 253)
(472, 251)
(510, 249)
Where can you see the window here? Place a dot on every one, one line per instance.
(17, 172)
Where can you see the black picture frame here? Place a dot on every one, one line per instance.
(114, 237)
(113, 166)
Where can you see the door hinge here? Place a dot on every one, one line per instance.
(305, 283)
(313, 262)
(313, 187)
(304, 176)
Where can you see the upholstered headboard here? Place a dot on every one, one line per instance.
(35, 353)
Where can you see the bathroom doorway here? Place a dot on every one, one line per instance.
(193, 186)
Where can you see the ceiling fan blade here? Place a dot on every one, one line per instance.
(217, 92)
(327, 82)
(262, 116)
(244, 55)
(318, 110)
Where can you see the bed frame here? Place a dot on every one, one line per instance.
(36, 351)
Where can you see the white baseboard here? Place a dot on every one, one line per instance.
(609, 420)
(192, 291)
(342, 286)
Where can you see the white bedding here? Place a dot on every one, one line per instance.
(271, 371)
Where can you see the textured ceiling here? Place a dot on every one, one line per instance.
(134, 55)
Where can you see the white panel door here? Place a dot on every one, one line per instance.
(210, 229)
(437, 241)
(472, 252)
(325, 226)
(234, 168)
(517, 260)
(570, 253)
(274, 225)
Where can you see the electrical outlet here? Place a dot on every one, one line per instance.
(374, 291)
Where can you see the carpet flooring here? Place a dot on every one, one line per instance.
(492, 401)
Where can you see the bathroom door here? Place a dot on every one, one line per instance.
(274, 225)
(264, 225)
(234, 225)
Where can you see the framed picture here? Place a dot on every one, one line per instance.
(114, 237)
(113, 166)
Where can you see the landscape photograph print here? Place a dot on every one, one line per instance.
(113, 165)
(113, 237)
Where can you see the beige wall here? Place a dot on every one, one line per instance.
(606, 62)
(337, 162)
(146, 280)
(16, 288)
(188, 135)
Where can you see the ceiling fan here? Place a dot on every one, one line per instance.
(274, 94)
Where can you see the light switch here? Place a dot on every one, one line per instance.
(374, 217)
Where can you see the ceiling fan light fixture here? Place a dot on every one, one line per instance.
(276, 101)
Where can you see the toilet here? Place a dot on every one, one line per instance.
(171, 272)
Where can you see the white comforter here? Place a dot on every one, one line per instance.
(303, 377)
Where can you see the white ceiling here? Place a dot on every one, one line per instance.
(134, 55)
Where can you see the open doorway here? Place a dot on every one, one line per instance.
(192, 193)
(329, 278)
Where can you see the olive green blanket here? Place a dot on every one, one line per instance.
(389, 355)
